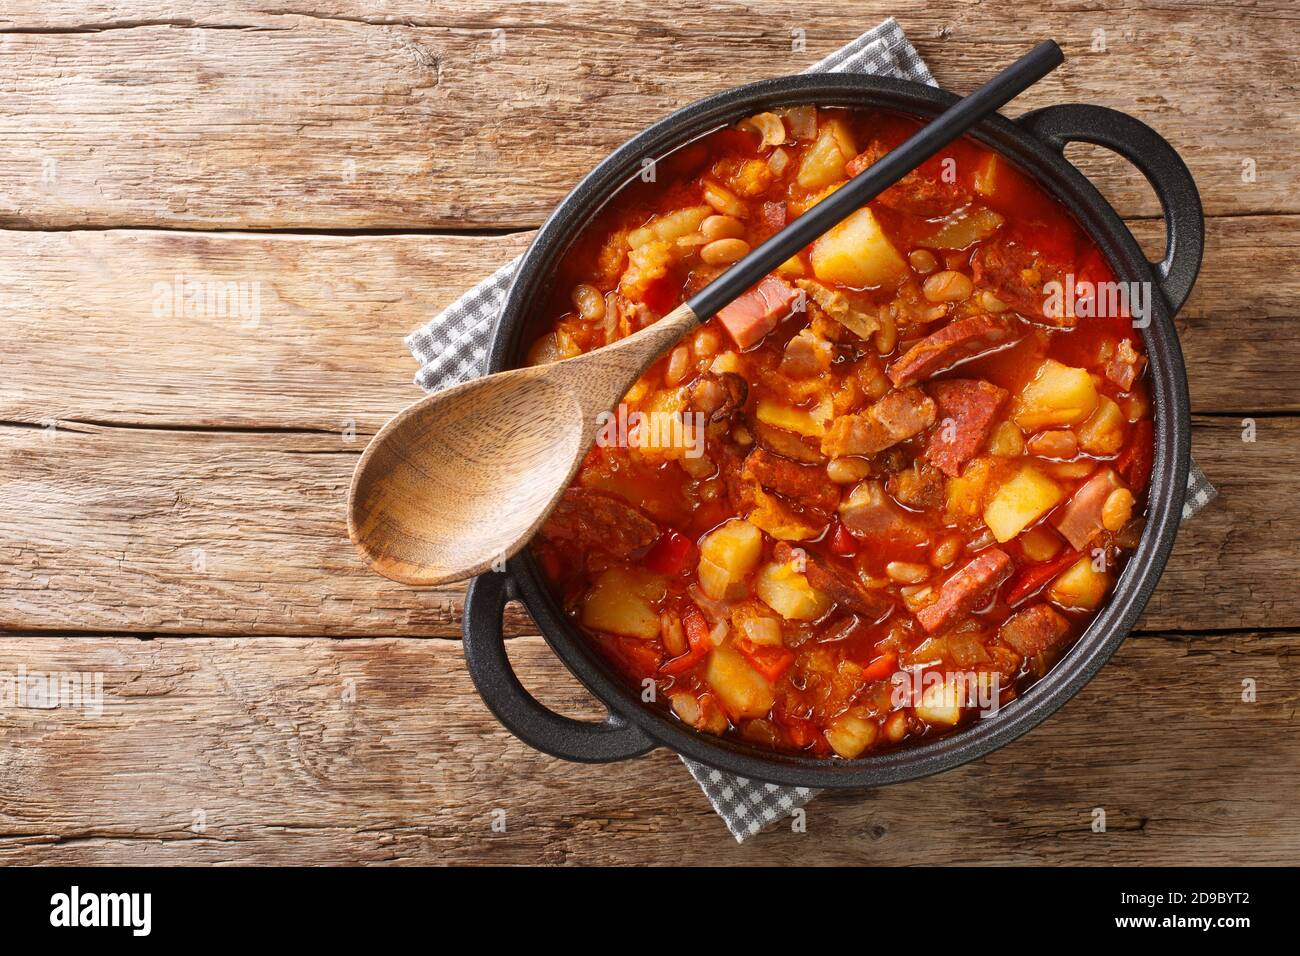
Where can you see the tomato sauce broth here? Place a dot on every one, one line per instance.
(903, 482)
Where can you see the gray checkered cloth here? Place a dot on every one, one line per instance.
(453, 347)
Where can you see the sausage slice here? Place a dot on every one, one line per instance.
(943, 349)
(968, 589)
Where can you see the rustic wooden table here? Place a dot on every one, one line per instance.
(172, 482)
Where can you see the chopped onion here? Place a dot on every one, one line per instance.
(778, 161)
(763, 630)
(768, 126)
(801, 121)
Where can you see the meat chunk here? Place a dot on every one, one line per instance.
(1034, 630)
(806, 484)
(806, 355)
(839, 583)
(898, 416)
(757, 312)
(1079, 519)
(843, 309)
(869, 513)
(718, 396)
(772, 218)
(920, 487)
(785, 443)
(1018, 276)
(1125, 366)
(970, 588)
(592, 520)
(782, 521)
(951, 344)
(967, 410)
(916, 193)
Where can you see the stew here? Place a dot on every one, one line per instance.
(886, 489)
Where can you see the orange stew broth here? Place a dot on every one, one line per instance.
(892, 533)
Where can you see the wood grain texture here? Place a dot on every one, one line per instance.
(112, 529)
(324, 352)
(193, 483)
(380, 752)
(372, 115)
(315, 343)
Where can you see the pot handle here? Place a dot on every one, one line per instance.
(1163, 168)
(542, 729)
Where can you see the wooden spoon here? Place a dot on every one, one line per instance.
(463, 478)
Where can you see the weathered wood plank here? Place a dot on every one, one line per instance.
(380, 752)
(119, 529)
(397, 115)
(316, 341)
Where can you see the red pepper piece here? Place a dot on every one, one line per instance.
(771, 662)
(882, 667)
(670, 554)
(841, 542)
(1030, 579)
(662, 295)
(697, 637)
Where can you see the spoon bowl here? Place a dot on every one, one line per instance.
(460, 480)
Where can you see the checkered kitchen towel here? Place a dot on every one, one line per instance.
(453, 347)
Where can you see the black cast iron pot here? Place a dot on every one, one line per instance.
(1035, 142)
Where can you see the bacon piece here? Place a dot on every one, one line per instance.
(805, 484)
(962, 339)
(967, 411)
(901, 414)
(869, 513)
(1124, 367)
(1034, 630)
(1079, 520)
(590, 519)
(968, 589)
(757, 312)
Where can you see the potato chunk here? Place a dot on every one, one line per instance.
(621, 601)
(849, 735)
(744, 692)
(823, 164)
(857, 253)
(1057, 395)
(1103, 432)
(940, 703)
(1081, 587)
(788, 592)
(727, 555)
(1020, 502)
(810, 423)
